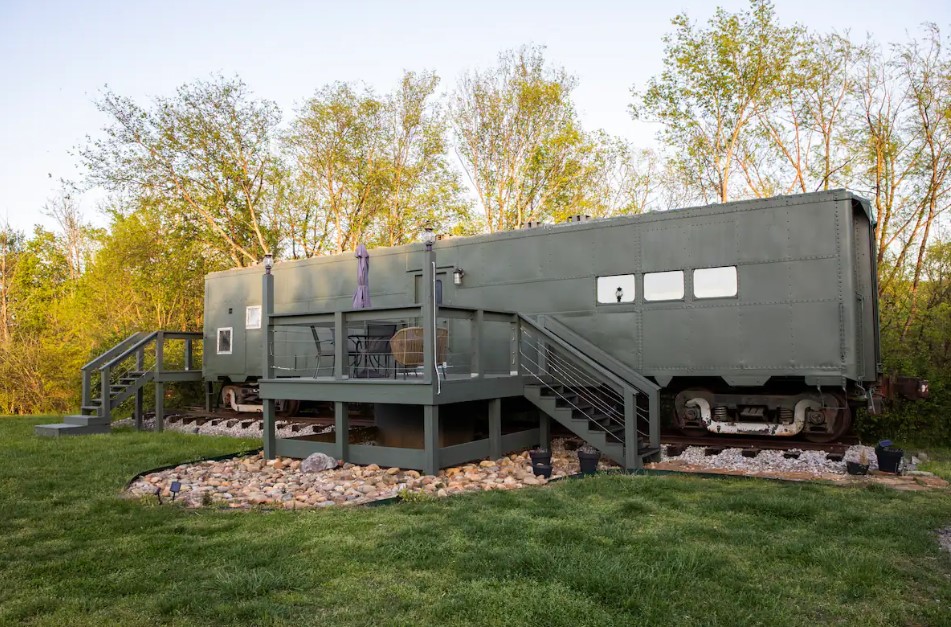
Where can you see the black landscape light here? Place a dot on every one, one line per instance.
(158, 494)
(175, 488)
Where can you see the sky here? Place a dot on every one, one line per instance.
(56, 57)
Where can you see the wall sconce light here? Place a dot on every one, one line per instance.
(268, 263)
(457, 275)
(619, 294)
(429, 237)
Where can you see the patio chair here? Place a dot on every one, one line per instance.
(407, 349)
(325, 346)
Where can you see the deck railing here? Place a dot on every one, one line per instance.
(404, 343)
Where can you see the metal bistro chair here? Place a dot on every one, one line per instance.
(373, 349)
(407, 349)
(325, 346)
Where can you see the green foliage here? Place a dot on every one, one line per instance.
(611, 550)
(371, 169)
(519, 140)
(205, 154)
(715, 81)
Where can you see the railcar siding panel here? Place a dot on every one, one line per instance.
(787, 318)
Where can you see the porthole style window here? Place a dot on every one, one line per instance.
(664, 285)
(252, 317)
(714, 282)
(224, 341)
(619, 288)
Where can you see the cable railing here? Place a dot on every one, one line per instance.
(393, 343)
(596, 386)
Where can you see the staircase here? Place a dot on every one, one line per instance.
(117, 375)
(593, 395)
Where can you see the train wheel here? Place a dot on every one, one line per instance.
(688, 411)
(229, 397)
(832, 412)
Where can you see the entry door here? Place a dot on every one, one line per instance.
(443, 288)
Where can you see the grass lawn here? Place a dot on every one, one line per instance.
(610, 550)
(939, 462)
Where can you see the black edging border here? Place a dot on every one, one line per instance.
(216, 458)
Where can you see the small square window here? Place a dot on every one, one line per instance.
(714, 282)
(664, 285)
(224, 341)
(619, 288)
(252, 317)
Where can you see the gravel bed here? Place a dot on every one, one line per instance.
(813, 462)
(284, 429)
(254, 481)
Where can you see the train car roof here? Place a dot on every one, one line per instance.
(546, 229)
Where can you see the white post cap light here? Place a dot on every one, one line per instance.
(268, 263)
(429, 237)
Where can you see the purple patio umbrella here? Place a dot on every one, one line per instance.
(361, 298)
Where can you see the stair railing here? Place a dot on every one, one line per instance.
(94, 365)
(557, 357)
(107, 365)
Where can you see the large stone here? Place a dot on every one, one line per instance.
(318, 462)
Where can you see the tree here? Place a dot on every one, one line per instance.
(518, 139)
(205, 153)
(74, 237)
(715, 82)
(370, 169)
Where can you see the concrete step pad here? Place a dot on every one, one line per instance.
(62, 428)
(85, 421)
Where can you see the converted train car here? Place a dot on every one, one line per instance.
(752, 317)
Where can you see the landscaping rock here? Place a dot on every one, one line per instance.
(317, 462)
(284, 483)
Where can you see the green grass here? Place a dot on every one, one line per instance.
(611, 550)
(939, 462)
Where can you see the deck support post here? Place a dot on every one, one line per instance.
(209, 395)
(632, 456)
(270, 434)
(544, 431)
(140, 393)
(267, 361)
(137, 412)
(342, 430)
(495, 428)
(159, 406)
(431, 439)
(159, 384)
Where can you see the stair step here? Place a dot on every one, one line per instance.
(85, 421)
(59, 429)
(92, 409)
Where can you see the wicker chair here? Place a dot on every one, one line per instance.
(407, 349)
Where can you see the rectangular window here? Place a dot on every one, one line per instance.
(619, 288)
(664, 285)
(714, 282)
(224, 341)
(252, 317)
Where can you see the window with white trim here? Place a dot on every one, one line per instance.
(619, 288)
(714, 282)
(664, 285)
(252, 317)
(224, 341)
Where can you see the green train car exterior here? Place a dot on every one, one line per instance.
(757, 316)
